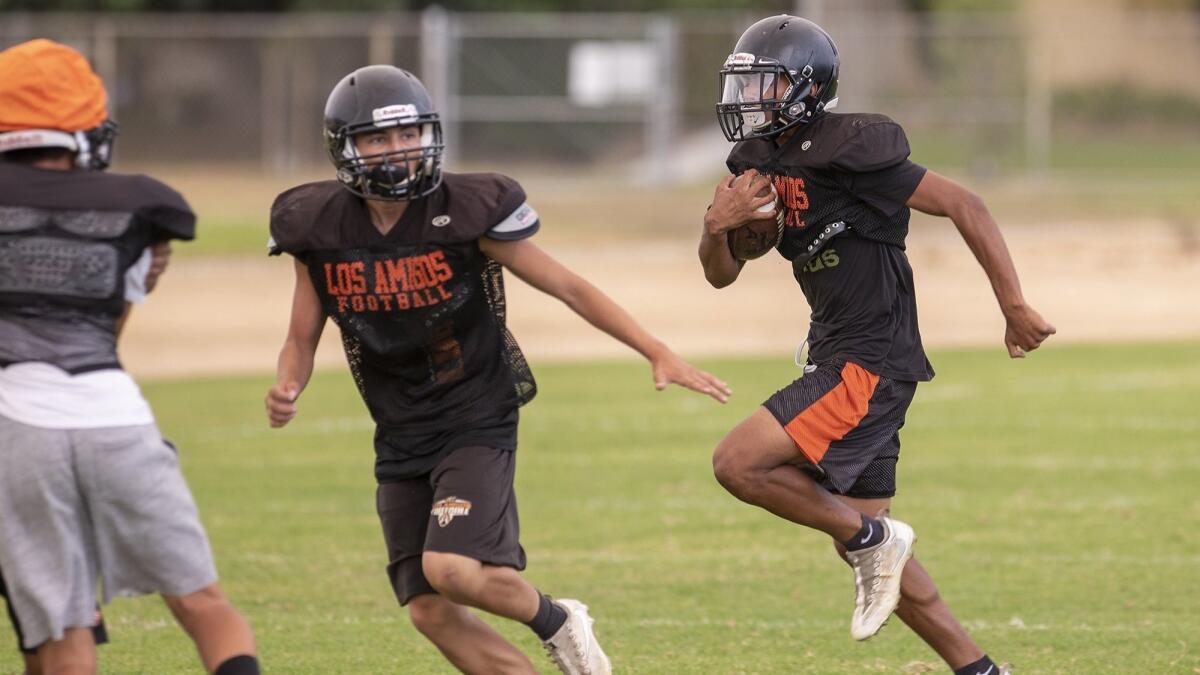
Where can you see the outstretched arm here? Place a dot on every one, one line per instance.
(940, 196)
(733, 205)
(296, 358)
(538, 269)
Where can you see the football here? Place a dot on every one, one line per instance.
(756, 237)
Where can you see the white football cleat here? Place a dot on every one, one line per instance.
(877, 573)
(574, 648)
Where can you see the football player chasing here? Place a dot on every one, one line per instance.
(822, 451)
(407, 260)
(88, 486)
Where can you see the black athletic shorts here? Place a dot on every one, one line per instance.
(466, 505)
(99, 630)
(846, 423)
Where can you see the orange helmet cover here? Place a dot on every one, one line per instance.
(47, 85)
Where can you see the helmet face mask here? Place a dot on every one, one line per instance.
(95, 146)
(375, 99)
(782, 73)
(397, 175)
(752, 100)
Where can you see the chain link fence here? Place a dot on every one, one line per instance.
(631, 92)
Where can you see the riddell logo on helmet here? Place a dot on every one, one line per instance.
(405, 112)
(739, 60)
(20, 140)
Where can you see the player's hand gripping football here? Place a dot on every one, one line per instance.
(736, 202)
(281, 403)
(1026, 330)
(670, 369)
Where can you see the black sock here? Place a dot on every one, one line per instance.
(550, 617)
(870, 535)
(984, 666)
(238, 665)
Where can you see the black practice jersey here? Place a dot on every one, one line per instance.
(66, 240)
(843, 181)
(421, 309)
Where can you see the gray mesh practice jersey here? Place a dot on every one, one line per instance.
(66, 241)
(421, 309)
(843, 182)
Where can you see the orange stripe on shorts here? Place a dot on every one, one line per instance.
(833, 415)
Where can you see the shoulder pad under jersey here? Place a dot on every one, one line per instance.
(165, 209)
(297, 215)
(871, 142)
(140, 197)
(855, 143)
(488, 205)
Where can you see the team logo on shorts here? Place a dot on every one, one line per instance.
(446, 509)
(441, 221)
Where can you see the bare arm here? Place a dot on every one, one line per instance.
(296, 358)
(733, 206)
(538, 269)
(160, 255)
(940, 196)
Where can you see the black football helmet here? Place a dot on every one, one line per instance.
(767, 82)
(375, 98)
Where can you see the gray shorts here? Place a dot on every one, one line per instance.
(77, 505)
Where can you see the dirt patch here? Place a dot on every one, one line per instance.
(1135, 281)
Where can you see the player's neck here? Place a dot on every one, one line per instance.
(384, 214)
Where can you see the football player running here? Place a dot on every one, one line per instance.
(822, 451)
(88, 486)
(407, 260)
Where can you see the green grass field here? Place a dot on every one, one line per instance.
(1056, 499)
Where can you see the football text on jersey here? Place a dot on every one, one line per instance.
(389, 284)
(794, 197)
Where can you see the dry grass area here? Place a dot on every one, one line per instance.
(1096, 283)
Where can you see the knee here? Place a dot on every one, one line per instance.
(732, 472)
(452, 578)
(433, 615)
(199, 602)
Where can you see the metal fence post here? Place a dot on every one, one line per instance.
(662, 107)
(273, 134)
(1038, 106)
(104, 57)
(439, 70)
(381, 40)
